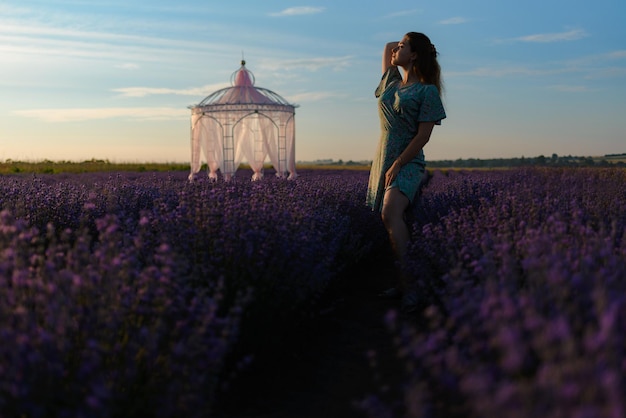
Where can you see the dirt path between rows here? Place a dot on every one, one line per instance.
(327, 368)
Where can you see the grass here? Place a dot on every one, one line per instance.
(89, 166)
(312, 166)
(613, 159)
(94, 165)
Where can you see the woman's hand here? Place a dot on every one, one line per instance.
(392, 173)
(387, 52)
(416, 144)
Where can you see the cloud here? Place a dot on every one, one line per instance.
(588, 67)
(42, 41)
(402, 13)
(104, 42)
(571, 35)
(512, 71)
(457, 20)
(128, 66)
(152, 91)
(314, 96)
(80, 114)
(296, 11)
(311, 64)
(618, 54)
(570, 88)
(607, 72)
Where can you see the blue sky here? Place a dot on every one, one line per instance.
(82, 79)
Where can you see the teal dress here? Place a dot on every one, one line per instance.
(401, 109)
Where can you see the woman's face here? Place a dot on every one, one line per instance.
(402, 54)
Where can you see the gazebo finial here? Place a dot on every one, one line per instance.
(243, 61)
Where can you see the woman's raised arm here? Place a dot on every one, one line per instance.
(387, 55)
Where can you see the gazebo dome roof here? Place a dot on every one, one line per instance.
(243, 91)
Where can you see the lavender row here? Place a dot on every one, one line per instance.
(125, 294)
(525, 271)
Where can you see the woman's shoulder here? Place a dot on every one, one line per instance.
(391, 76)
(425, 90)
(426, 87)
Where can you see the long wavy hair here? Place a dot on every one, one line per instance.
(426, 66)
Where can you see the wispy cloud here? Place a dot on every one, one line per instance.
(510, 71)
(568, 88)
(153, 91)
(127, 37)
(571, 35)
(50, 41)
(607, 72)
(296, 11)
(618, 54)
(588, 67)
(128, 66)
(311, 64)
(403, 13)
(314, 96)
(457, 20)
(80, 114)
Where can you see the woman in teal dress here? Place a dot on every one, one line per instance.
(409, 108)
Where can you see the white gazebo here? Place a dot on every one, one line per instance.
(243, 122)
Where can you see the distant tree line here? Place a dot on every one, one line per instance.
(554, 161)
(608, 160)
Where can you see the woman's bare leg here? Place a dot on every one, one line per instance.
(394, 205)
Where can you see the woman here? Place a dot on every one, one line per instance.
(409, 108)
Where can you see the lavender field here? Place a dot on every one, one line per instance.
(526, 272)
(127, 294)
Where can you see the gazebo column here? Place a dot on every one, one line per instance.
(229, 151)
(282, 151)
(259, 151)
(290, 152)
(195, 146)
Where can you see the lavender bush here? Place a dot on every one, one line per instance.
(89, 330)
(124, 294)
(525, 271)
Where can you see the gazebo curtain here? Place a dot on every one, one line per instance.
(252, 135)
(207, 136)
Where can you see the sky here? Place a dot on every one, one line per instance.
(112, 80)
